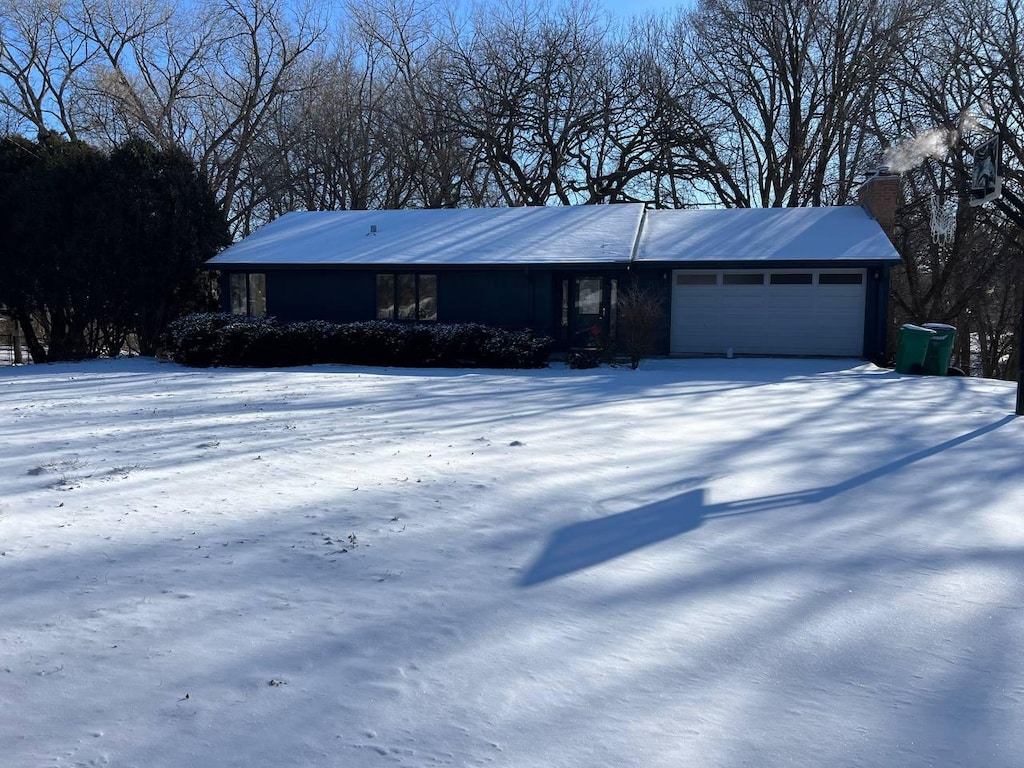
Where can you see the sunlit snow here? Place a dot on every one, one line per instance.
(701, 563)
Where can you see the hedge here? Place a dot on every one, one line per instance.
(204, 340)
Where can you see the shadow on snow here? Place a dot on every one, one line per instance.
(589, 543)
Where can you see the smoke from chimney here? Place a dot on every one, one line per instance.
(910, 153)
(931, 143)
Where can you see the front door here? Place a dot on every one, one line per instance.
(588, 311)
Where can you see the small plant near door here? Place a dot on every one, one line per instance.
(642, 315)
(591, 349)
(585, 358)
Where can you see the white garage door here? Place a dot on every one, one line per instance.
(768, 312)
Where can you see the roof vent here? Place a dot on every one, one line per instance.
(373, 230)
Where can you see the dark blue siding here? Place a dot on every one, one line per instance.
(338, 297)
(508, 298)
(505, 298)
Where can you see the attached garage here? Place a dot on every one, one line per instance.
(771, 281)
(763, 312)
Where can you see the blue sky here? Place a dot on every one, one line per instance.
(627, 8)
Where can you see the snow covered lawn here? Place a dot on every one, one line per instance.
(701, 563)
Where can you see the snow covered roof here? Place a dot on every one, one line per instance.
(586, 234)
(494, 236)
(839, 233)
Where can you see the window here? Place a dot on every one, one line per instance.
(851, 278)
(565, 308)
(590, 292)
(406, 301)
(428, 297)
(385, 297)
(743, 278)
(613, 308)
(696, 278)
(239, 294)
(248, 293)
(406, 296)
(792, 278)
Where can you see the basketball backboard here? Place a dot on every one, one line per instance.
(986, 176)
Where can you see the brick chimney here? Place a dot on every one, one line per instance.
(882, 194)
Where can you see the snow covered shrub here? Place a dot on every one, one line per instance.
(514, 349)
(584, 358)
(298, 343)
(246, 341)
(204, 340)
(192, 339)
(375, 342)
(417, 346)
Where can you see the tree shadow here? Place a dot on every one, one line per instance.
(586, 544)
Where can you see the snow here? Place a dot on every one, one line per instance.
(838, 233)
(703, 563)
(493, 236)
(553, 235)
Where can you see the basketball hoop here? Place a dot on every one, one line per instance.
(943, 220)
(987, 172)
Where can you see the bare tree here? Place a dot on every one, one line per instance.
(779, 93)
(206, 80)
(41, 55)
(429, 150)
(944, 96)
(523, 86)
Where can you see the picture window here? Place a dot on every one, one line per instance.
(407, 296)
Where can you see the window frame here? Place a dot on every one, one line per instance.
(417, 308)
(248, 290)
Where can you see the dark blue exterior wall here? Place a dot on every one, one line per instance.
(517, 298)
(513, 298)
(508, 298)
(876, 315)
(315, 294)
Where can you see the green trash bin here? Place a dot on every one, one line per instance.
(912, 342)
(940, 348)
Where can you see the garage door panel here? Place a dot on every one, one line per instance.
(771, 318)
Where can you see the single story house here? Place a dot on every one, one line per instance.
(764, 281)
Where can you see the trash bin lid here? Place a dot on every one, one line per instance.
(939, 326)
(916, 328)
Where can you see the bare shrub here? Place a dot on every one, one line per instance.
(642, 314)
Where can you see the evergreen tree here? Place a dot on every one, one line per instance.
(169, 223)
(101, 250)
